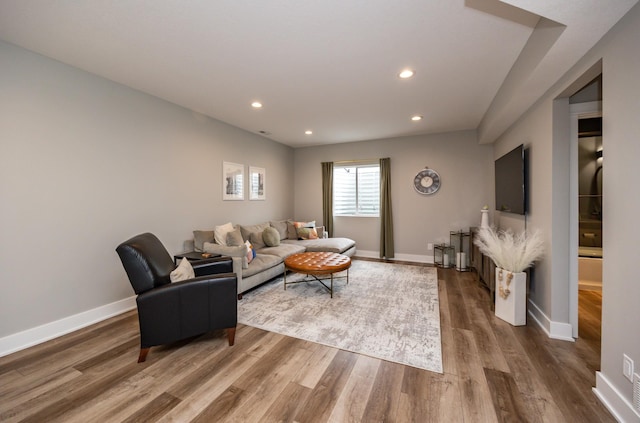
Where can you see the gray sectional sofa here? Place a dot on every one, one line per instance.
(269, 260)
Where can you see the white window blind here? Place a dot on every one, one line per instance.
(356, 190)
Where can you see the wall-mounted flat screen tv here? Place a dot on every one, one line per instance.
(510, 176)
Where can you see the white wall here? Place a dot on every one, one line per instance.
(465, 167)
(543, 128)
(86, 163)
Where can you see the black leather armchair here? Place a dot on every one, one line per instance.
(169, 312)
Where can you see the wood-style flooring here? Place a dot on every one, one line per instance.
(493, 372)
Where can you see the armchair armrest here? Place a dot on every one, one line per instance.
(212, 266)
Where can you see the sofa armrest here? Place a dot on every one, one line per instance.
(239, 251)
(233, 252)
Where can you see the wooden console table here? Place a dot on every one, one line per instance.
(484, 267)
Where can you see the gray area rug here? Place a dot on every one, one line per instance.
(388, 311)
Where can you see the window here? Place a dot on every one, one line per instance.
(356, 190)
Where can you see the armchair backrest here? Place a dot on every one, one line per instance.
(146, 261)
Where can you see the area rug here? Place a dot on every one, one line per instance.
(388, 311)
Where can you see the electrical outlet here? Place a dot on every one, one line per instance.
(429, 246)
(627, 367)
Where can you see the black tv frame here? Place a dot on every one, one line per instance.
(511, 181)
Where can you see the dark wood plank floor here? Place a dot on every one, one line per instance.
(493, 372)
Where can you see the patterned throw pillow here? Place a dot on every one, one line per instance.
(251, 253)
(306, 230)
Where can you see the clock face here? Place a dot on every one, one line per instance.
(426, 181)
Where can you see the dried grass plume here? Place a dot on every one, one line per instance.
(513, 253)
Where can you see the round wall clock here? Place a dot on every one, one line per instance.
(427, 181)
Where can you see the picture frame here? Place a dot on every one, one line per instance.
(257, 183)
(232, 181)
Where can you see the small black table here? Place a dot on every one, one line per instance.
(210, 265)
(193, 256)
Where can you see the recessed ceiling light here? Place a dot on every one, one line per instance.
(416, 118)
(256, 105)
(407, 73)
(308, 132)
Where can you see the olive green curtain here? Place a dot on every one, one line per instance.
(327, 196)
(386, 215)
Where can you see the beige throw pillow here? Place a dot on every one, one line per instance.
(220, 233)
(255, 238)
(306, 230)
(183, 272)
(234, 238)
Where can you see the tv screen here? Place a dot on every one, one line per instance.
(510, 182)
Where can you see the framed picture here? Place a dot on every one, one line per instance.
(232, 181)
(257, 176)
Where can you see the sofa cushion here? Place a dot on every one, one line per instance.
(234, 238)
(220, 233)
(281, 227)
(292, 233)
(271, 237)
(255, 238)
(200, 237)
(283, 250)
(261, 263)
(332, 245)
(247, 229)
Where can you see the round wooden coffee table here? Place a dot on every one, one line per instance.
(317, 264)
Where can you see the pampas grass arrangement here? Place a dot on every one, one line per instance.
(513, 253)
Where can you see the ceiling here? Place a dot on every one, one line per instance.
(328, 66)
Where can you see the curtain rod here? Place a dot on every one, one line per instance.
(342, 162)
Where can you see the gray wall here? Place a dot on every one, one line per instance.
(466, 169)
(542, 129)
(86, 163)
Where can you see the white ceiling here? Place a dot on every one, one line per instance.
(330, 66)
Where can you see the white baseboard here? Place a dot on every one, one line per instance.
(417, 258)
(554, 330)
(613, 400)
(590, 285)
(30, 337)
(367, 254)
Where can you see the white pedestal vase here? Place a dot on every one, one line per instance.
(511, 297)
(484, 220)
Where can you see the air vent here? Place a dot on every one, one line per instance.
(636, 392)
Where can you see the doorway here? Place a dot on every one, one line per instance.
(587, 139)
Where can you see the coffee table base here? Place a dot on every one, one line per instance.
(322, 265)
(317, 279)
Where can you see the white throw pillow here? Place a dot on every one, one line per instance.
(220, 233)
(183, 272)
